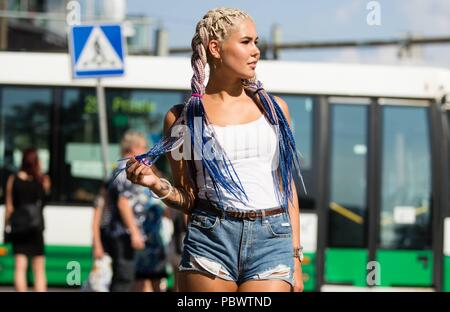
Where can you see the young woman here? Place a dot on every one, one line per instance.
(25, 196)
(238, 189)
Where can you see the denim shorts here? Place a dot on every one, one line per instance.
(239, 250)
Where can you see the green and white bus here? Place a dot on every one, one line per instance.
(374, 140)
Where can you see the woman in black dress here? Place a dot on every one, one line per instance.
(25, 195)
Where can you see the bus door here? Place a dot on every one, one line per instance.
(380, 208)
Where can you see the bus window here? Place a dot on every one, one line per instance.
(142, 110)
(301, 109)
(79, 147)
(25, 122)
(405, 221)
(348, 186)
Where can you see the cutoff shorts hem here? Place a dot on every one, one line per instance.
(185, 266)
(204, 272)
(182, 268)
(290, 281)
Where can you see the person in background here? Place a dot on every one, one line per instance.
(152, 262)
(118, 217)
(99, 279)
(26, 193)
(99, 224)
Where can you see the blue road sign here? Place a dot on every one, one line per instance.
(97, 51)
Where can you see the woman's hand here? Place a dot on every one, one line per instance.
(298, 278)
(141, 174)
(137, 241)
(98, 252)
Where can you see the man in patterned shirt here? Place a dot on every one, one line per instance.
(122, 217)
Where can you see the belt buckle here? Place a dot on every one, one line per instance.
(251, 215)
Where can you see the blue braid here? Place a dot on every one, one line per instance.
(219, 166)
(288, 161)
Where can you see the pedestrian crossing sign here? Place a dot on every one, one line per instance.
(97, 51)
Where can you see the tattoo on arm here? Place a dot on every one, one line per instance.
(180, 200)
(164, 188)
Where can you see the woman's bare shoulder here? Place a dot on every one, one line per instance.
(172, 115)
(22, 175)
(284, 107)
(282, 104)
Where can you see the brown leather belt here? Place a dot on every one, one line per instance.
(251, 215)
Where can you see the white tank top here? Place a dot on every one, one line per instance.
(252, 149)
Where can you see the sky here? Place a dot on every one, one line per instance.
(319, 20)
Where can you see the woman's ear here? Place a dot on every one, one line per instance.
(214, 49)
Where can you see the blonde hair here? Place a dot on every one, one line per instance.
(130, 139)
(216, 24)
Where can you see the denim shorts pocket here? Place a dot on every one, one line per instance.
(278, 225)
(204, 221)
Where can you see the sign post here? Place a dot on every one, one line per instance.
(102, 121)
(98, 51)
